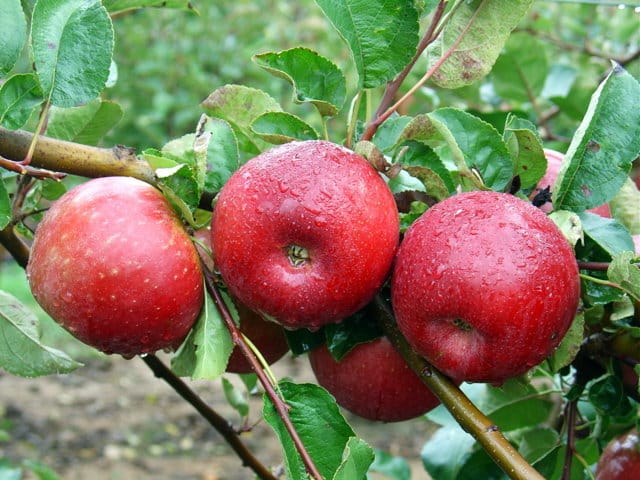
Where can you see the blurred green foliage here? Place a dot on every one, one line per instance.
(169, 61)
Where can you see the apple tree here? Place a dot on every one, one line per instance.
(440, 214)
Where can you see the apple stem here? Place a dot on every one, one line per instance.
(461, 408)
(282, 408)
(218, 422)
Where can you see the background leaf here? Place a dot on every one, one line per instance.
(600, 154)
(520, 72)
(372, 29)
(608, 233)
(5, 205)
(20, 332)
(314, 78)
(72, 43)
(485, 26)
(13, 34)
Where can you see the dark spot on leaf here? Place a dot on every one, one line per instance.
(51, 45)
(585, 190)
(593, 146)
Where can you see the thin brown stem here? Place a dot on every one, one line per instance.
(394, 85)
(15, 246)
(26, 169)
(375, 124)
(461, 408)
(570, 418)
(221, 425)
(279, 404)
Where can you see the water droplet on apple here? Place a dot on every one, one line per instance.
(320, 221)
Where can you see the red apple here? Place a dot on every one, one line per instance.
(268, 337)
(620, 460)
(373, 381)
(484, 286)
(305, 233)
(112, 263)
(554, 159)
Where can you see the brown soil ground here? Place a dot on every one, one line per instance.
(113, 420)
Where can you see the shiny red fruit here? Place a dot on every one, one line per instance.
(112, 263)
(485, 286)
(305, 233)
(554, 159)
(620, 460)
(373, 381)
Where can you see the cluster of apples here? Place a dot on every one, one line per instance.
(483, 285)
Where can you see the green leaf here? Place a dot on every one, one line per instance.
(484, 26)
(240, 106)
(419, 157)
(569, 224)
(13, 34)
(525, 146)
(21, 352)
(312, 410)
(607, 395)
(223, 157)
(314, 78)
(625, 207)
(5, 206)
(72, 43)
(360, 327)
(206, 350)
(119, 5)
(559, 81)
(356, 459)
(521, 70)
(607, 233)
(235, 398)
(540, 447)
(474, 145)
(569, 346)
(302, 340)
(373, 29)
(281, 127)
(396, 468)
(387, 135)
(604, 146)
(19, 96)
(86, 124)
(446, 452)
(625, 274)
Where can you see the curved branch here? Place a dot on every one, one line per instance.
(461, 408)
(223, 427)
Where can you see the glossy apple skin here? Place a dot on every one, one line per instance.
(620, 460)
(268, 337)
(554, 159)
(373, 381)
(318, 196)
(112, 263)
(484, 286)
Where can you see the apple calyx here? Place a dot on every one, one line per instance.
(298, 256)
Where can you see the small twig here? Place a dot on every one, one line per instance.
(279, 404)
(222, 426)
(461, 408)
(26, 169)
(394, 85)
(570, 416)
(373, 125)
